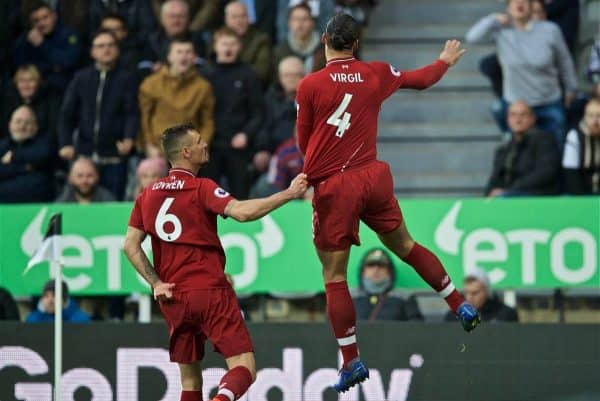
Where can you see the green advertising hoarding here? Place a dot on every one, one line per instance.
(521, 243)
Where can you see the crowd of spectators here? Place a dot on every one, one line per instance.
(91, 85)
(533, 76)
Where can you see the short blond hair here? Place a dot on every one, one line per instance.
(28, 69)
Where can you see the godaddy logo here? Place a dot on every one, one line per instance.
(569, 253)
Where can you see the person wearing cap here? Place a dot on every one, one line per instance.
(477, 291)
(45, 308)
(376, 298)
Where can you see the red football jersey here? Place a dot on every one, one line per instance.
(338, 108)
(179, 212)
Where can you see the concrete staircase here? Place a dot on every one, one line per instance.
(439, 142)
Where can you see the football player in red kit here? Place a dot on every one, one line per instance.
(179, 213)
(338, 108)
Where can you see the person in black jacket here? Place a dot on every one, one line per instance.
(238, 114)
(174, 24)
(280, 106)
(529, 163)
(138, 14)
(476, 289)
(100, 104)
(25, 161)
(27, 89)
(129, 54)
(376, 298)
(581, 158)
(51, 46)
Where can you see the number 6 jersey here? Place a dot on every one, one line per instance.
(179, 213)
(338, 108)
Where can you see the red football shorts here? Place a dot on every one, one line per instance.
(197, 315)
(342, 200)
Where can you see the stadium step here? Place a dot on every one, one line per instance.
(410, 106)
(413, 12)
(437, 131)
(439, 142)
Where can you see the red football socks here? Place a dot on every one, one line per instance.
(234, 384)
(342, 318)
(428, 266)
(191, 396)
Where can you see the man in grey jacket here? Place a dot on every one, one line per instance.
(535, 61)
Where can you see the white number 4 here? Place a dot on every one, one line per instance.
(162, 218)
(342, 123)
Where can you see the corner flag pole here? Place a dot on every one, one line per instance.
(58, 308)
(50, 250)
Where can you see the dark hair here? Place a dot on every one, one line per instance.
(341, 32)
(180, 40)
(300, 6)
(37, 5)
(49, 287)
(101, 32)
(172, 139)
(118, 17)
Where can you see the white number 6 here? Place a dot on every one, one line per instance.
(162, 218)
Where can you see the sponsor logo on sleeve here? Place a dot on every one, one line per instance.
(221, 193)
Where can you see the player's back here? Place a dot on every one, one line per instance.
(179, 212)
(344, 100)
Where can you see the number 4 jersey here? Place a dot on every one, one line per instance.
(179, 213)
(338, 108)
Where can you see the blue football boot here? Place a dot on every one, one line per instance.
(468, 316)
(357, 372)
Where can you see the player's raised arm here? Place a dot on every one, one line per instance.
(139, 260)
(254, 209)
(427, 76)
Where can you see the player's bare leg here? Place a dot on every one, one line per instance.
(342, 317)
(239, 377)
(429, 267)
(191, 381)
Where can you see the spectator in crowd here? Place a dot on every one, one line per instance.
(581, 159)
(100, 108)
(303, 40)
(280, 116)
(281, 104)
(25, 161)
(138, 14)
(51, 46)
(321, 11)
(262, 14)
(565, 14)
(376, 298)
(538, 10)
(173, 94)
(286, 163)
(27, 89)
(529, 163)
(148, 171)
(256, 45)
(238, 114)
(535, 62)
(83, 185)
(5, 42)
(8, 306)
(129, 55)
(175, 24)
(45, 308)
(74, 14)
(477, 292)
(202, 13)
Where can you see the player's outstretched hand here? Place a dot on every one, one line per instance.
(163, 291)
(452, 52)
(298, 186)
